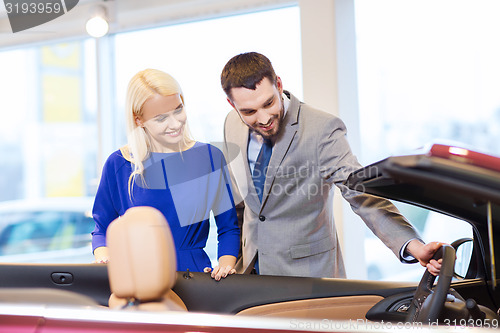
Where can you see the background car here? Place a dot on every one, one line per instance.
(48, 230)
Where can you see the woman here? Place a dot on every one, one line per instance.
(164, 168)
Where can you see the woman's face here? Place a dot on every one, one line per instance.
(164, 119)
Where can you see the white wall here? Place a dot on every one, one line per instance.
(330, 84)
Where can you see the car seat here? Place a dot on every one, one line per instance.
(142, 262)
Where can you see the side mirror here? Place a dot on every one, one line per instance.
(463, 248)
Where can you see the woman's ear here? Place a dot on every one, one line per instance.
(138, 122)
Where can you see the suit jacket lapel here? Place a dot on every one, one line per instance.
(282, 143)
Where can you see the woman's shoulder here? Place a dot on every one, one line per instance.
(118, 158)
(214, 150)
(210, 146)
(125, 153)
(216, 155)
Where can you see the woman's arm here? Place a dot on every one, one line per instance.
(228, 231)
(107, 202)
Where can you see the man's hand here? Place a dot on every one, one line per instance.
(424, 253)
(225, 267)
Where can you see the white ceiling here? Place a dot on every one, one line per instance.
(126, 15)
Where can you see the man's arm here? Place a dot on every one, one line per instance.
(380, 215)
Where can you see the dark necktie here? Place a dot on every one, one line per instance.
(260, 168)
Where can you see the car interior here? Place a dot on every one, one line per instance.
(137, 279)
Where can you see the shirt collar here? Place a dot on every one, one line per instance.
(286, 104)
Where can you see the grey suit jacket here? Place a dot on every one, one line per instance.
(293, 228)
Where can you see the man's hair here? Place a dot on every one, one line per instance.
(246, 70)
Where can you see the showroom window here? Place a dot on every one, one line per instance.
(428, 71)
(50, 136)
(49, 146)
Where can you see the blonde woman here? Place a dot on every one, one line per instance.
(163, 167)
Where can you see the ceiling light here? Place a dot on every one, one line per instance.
(97, 26)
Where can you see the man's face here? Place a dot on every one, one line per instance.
(260, 109)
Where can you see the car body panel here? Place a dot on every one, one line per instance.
(74, 319)
(236, 293)
(456, 189)
(87, 279)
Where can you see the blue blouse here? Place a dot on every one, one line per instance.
(185, 186)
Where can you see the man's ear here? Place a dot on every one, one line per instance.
(279, 84)
(229, 101)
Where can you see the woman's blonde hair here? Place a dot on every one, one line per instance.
(141, 87)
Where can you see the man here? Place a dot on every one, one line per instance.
(292, 156)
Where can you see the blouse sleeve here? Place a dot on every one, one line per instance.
(228, 232)
(104, 211)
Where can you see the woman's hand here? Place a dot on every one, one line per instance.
(225, 267)
(101, 255)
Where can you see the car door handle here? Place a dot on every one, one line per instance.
(62, 278)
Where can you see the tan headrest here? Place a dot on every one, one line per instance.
(142, 262)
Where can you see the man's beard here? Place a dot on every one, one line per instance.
(278, 120)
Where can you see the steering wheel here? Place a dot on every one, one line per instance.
(427, 304)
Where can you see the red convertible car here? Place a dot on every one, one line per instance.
(149, 296)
